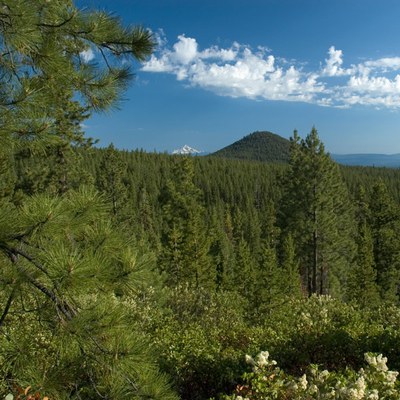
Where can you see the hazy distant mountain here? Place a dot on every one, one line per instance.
(377, 160)
(186, 150)
(259, 146)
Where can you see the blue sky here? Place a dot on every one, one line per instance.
(224, 69)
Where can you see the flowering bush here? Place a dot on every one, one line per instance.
(268, 381)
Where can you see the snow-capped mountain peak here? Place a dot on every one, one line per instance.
(186, 150)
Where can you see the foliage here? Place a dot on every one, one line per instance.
(318, 214)
(65, 269)
(259, 146)
(117, 264)
(267, 381)
(73, 271)
(201, 338)
(185, 254)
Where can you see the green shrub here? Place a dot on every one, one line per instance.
(267, 381)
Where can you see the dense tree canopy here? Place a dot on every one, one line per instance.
(123, 271)
(64, 272)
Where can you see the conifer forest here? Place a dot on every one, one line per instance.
(136, 275)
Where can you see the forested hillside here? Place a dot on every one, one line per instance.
(134, 275)
(259, 146)
(242, 236)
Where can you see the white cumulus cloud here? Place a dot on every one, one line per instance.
(241, 71)
(185, 50)
(333, 64)
(387, 63)
(87, 55)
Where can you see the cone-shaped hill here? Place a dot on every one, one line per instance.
(259, 146)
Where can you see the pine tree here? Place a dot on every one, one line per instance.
(68, 129)
(146, 220)
(385, 227)
(267, 283)
(245, 272)
(43, 46)
(317, 213)
(186, 245)
(290, 280)
(65, 272)
(110, 180)
(362, 286)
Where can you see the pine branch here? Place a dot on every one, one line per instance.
(22, 236)
(104, 58)
(29, 258)
(7, 307)
(61, 306)
(73, 15)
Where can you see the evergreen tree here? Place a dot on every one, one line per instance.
(228, 224)
(270, 230)
(65, 272)
(43, 46)
(290, 275)
(68, 129)
(110, 179)
(362, 286)
(385, 227)
(221, 246)
(185, 254)
(317, 213)
(8, 176)
(244, 277)
(268, 280)
(147, 220)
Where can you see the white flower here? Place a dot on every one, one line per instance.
(370, 359)
(374, 395)
(323, 375)
(262, 359)
(313, 389)
(381, 363)
(332, 394)
(303, 382)
(355, 394)
(249, 359)
(391, 377)
(361, 385)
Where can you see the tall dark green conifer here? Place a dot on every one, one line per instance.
(185, 255)
(385, 227)
(317, 213)
(290, 278)
(362, 286)
(110, 179)
(267, 282)
(244, 277)
(147, 222)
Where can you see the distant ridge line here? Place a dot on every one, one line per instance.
(266, 146)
